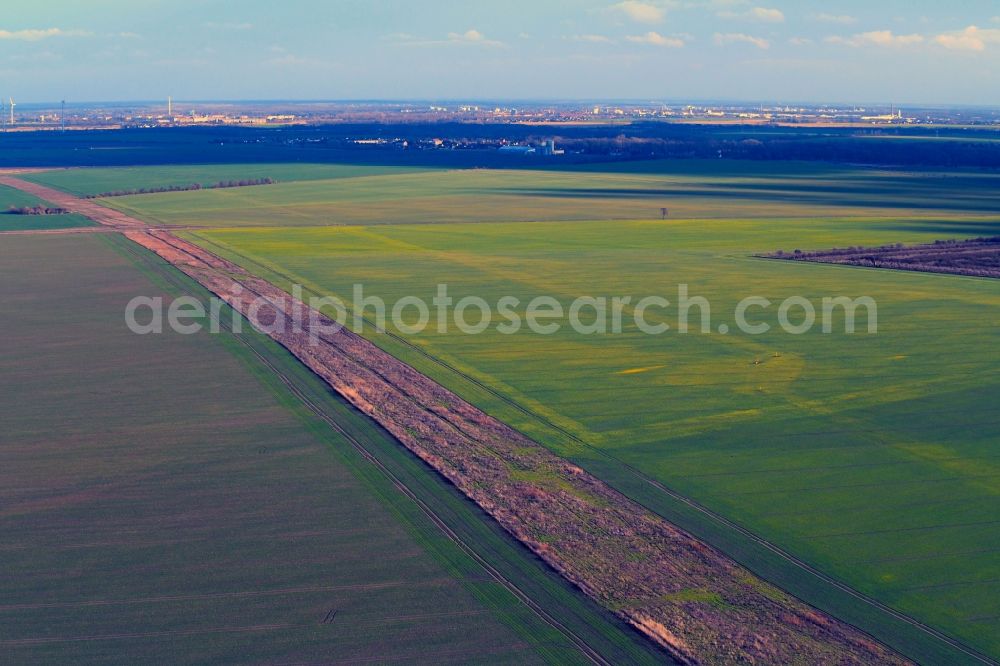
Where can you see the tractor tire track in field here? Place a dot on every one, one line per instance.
(277, 626)
(627, 558)
(360, 587)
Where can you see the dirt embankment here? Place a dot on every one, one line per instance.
(91, 209)
(692, 600)
(696, 603)
(978, 257)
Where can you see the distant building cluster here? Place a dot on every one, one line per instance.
(547, 148)
(24, 117)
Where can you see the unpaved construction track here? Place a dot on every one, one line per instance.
(74, 204)
(689, 598)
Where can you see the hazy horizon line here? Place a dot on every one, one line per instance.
(508, 101)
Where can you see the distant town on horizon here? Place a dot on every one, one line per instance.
(170, 112)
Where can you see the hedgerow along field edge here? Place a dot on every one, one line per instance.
(11, 198)
(94, 181)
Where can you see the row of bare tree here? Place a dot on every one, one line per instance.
(35, 210)
(184, 188)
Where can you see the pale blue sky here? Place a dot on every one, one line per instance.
(855, 50)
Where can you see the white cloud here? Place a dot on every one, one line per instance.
(33, 35)
(471, 37)
(229, 26)
(800, 41)
(592, 39)
(760, 14)
(45, 56)
(740, 38)
(842, 19)
(714, 4)
(642, 12)
(400, 37)
(181, 62)
(656, 39)
(294, 62)
(290, 60)
(885, 38)
(970, 39)
(766, 15)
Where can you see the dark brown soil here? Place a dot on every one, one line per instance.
(979, 257)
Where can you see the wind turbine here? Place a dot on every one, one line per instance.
(12, 105)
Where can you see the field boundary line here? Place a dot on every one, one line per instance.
(227, 595)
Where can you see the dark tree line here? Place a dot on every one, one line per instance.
(36, 210)
(222, 184)
(856, 149)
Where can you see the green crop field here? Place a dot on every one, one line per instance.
(9, 197)
(871, 459)
(97, 181)
(638, 192)
(168, 497)
(872, 456)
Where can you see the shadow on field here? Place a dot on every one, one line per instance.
(944, 229)
(861, 196)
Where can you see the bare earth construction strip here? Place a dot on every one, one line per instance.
(686, 596)
(978, 257)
